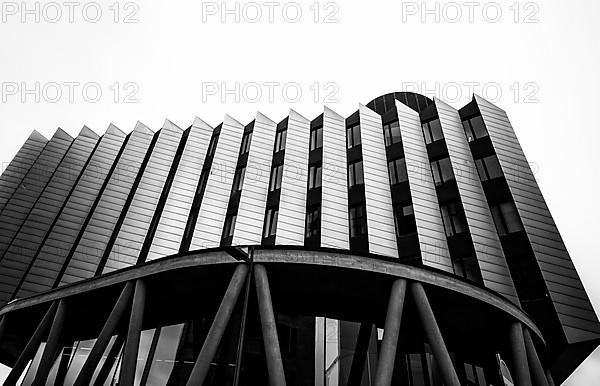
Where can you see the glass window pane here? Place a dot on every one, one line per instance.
(359, 173)
(481, 170)
(437, 177)
(164, 356)
(511, 217)
(478, 127)
(498, 221)
(493, 167)
(468, 131)
(395, 128)
(427, 133)
(436, 130)
(446, 169)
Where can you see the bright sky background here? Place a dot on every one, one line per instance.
(170, 56)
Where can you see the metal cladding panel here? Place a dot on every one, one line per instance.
(51, 257)
(490, 256)
(89, 251)
(292, 199)
(570, 300)
(27, 241)
(171, 226)
(378, 195)
(129, 241)
(19, 205)
(335, 230)
(213, 208)
(253, 199)
(13, 174)
(430, 228)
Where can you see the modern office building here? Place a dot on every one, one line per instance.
(407, 244)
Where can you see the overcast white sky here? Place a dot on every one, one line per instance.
(178, 58)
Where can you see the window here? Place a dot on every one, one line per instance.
(314, 176)
(391, 133)
(488, 168)
(276, 176)
(358, 220)
(397, 170)
(238, 179)
(355, 174)
(313, 221)
(475, 128)
(404, 217)
(212, 146)
(506, 218)
(280, 138)
(442, 171)
(316, 138)
(270, 222)
(229, 226)
(246, 139)
(353, 136)
(433, 131)
(454, 218)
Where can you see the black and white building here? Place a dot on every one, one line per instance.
(406, 244)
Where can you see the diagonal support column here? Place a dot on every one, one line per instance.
(519, 355)
(29, 350)
(2, 326)
(434, 335)
(387, 355)
(269, 327)
(211, 343)
(85, 374)
(132, 344)
(536, 365)
(549, 378)
(51, 345)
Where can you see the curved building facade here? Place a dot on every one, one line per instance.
(406, 244)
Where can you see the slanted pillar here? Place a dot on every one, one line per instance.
(85, 374)
(49, 354)
(549, 378)
(132, 344)
(269, 328)
(519, 355)
(217, 329)
(434, 335)
(536, 365)
(387, 354)
(31, 346)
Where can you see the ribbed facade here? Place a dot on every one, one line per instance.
(404, 179)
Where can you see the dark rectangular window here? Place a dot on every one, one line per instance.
(454, 218)
(353, 136)
(358, 220)
(391, 133)
(313, 221)
(475, 128)
(355, 174)
(397, 170)
(280, 138)
(488, 168)
(442, 171)
(506, 218)
(246, 139)
(212, 146)
(316, 138)
(238, 179)
(276, 176)
(314, 176)
(229, 226)
(432, 131)
(404, 218)
(270, 227)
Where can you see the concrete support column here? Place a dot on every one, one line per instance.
(211, 343)
(539, 375)
(519, 355)
(85, 374)
(549, 378)
(434, 335)
(132, 344)
(387, 354)
(31, 347)
(269, 328)
(49, 354)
